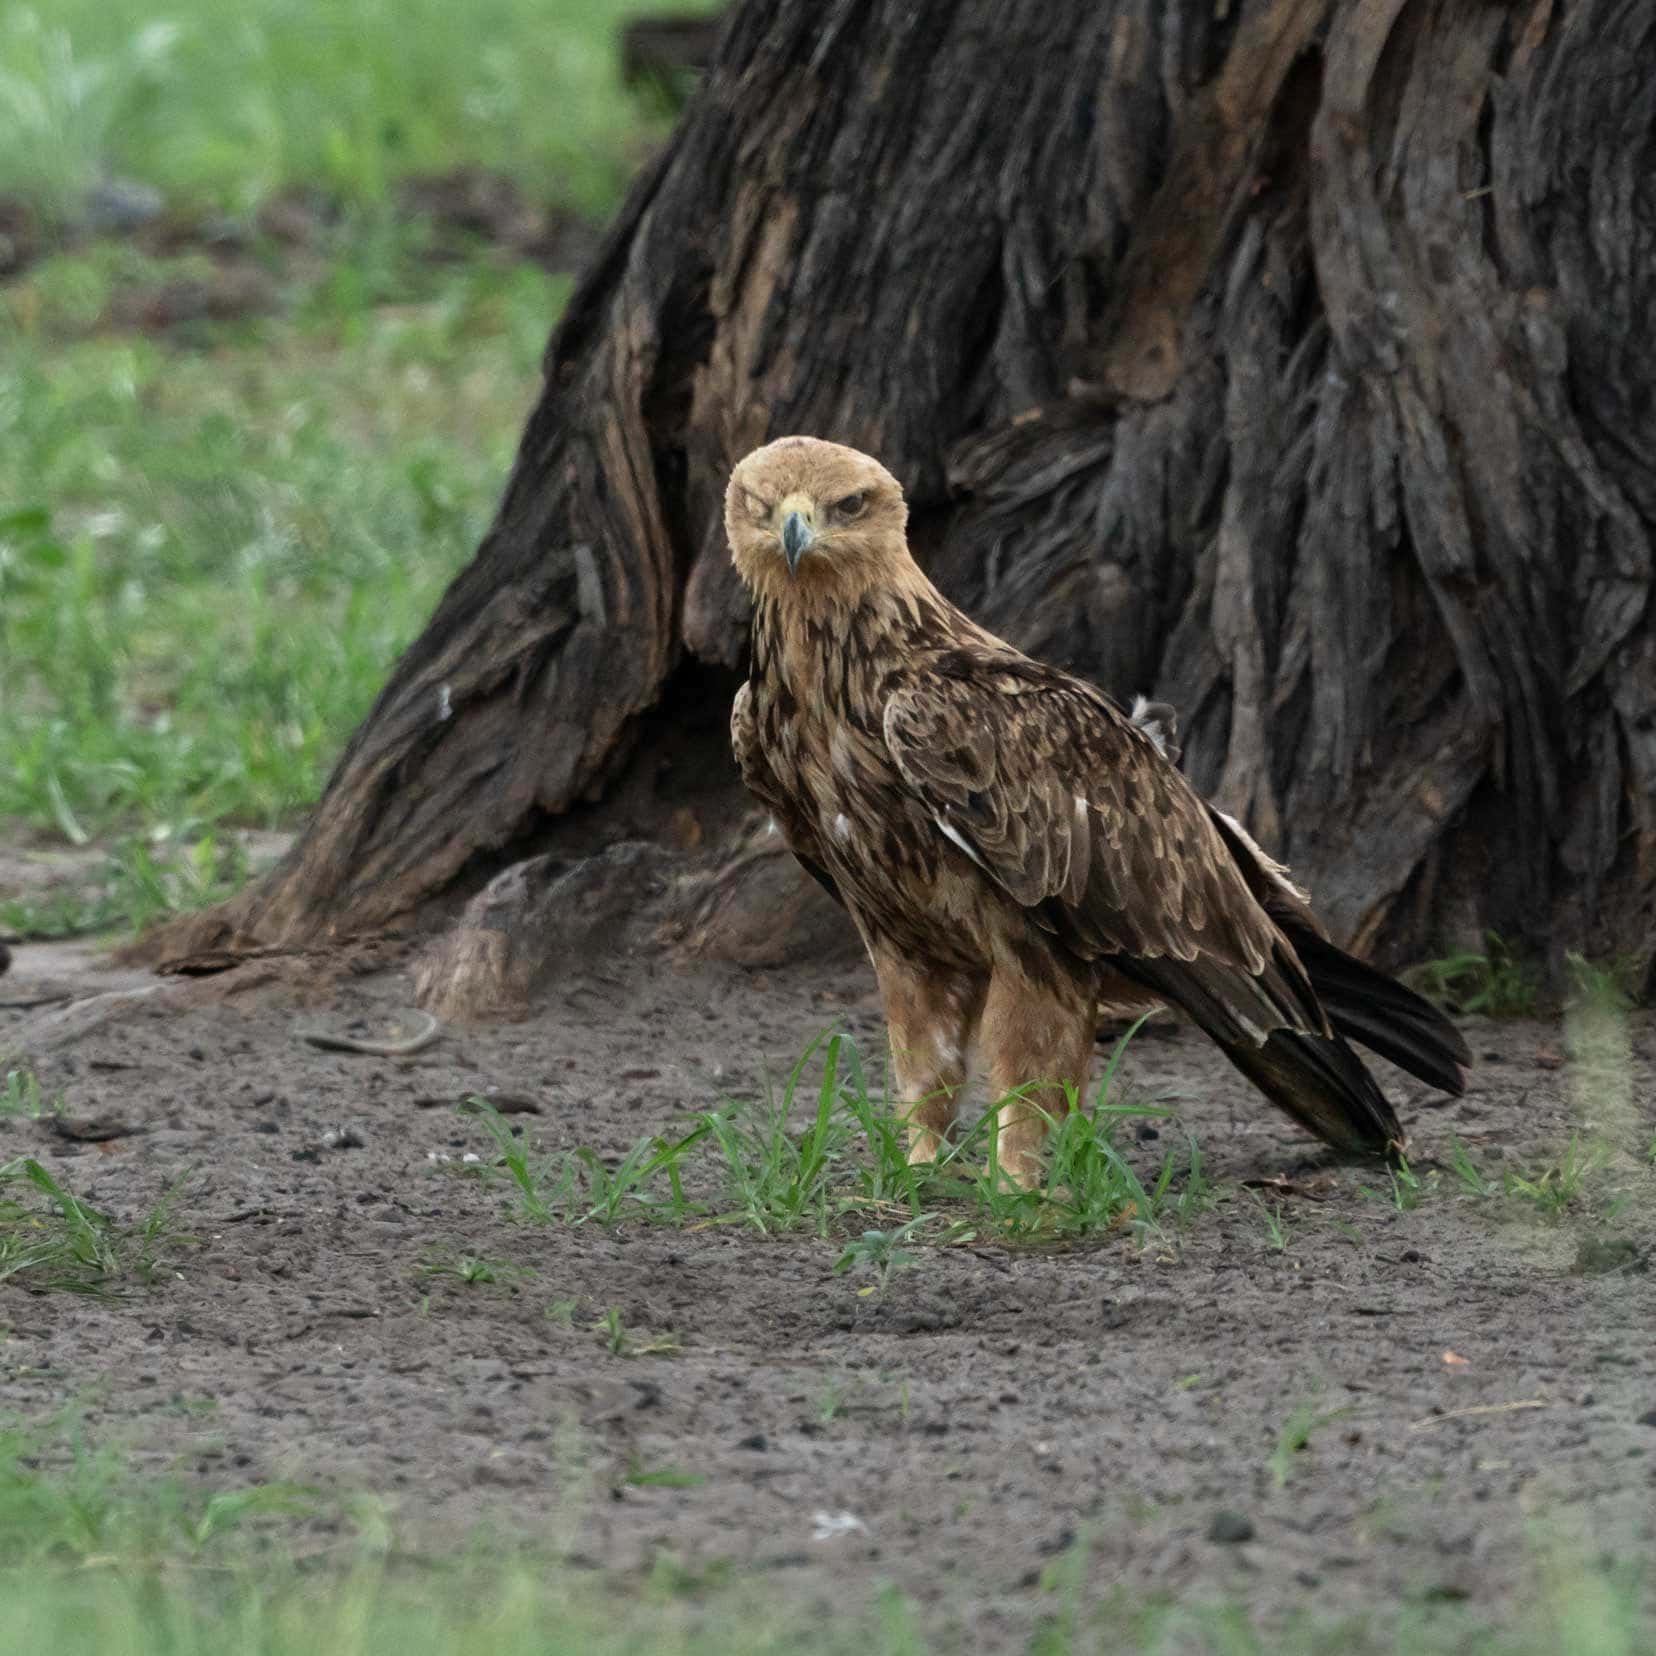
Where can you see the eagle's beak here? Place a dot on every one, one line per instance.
(797, 535)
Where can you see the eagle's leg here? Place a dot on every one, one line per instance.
(1037, 1040)
(932, 1016)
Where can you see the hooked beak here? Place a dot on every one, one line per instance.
(797, 536)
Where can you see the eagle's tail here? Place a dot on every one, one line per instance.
(1368, 1006)
(1323, 1085)
(1359, 1001)
(1301, 1064)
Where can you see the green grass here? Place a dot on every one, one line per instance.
(53, 1241)
(455, 1265)
(1565, 1182)
(20, 1097)
(1295, 1435)
(66, 1501)
(218, 108)
(1598, 1037)
(97, 1558)
(173, 869)
(1491, 981)
(527, 1607)
(620, 1341)
(1469, 1177)
(1279, 1234)
(1559, 1184)
(210, 558)
(883, 1251)
(818, 1157)
(213, 545)
(1588, 1176)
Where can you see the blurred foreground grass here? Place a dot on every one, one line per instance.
(95, 1558)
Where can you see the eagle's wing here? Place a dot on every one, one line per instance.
(794, 825)
(1070, 808)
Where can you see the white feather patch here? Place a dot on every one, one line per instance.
(1275, 870)
(953, 833)
(1151, 727)
(842, 826)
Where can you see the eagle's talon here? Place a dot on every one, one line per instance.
(924, 1149)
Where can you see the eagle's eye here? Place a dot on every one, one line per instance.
(758, 509)
(851, 506)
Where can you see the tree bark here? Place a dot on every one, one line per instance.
(1288, 360)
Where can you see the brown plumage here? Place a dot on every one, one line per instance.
(1014, 848)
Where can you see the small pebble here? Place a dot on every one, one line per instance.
(1230, 1528)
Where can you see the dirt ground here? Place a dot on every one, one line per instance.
(954, 1436)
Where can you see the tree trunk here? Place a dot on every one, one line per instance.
(1288, 360)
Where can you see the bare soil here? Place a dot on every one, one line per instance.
(960, 1432)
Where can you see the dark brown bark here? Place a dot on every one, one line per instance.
(1287, 360)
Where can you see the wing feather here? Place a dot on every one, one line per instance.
(1076, 812)
(1073, 810)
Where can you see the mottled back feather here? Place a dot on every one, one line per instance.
(1071, 808)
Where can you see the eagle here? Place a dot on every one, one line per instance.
(1015, 848)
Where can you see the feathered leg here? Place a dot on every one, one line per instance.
(932, 1017)
(1037, 1037)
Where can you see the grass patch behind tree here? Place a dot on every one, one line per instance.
(220, 108)
(210, 557)
(216, 536)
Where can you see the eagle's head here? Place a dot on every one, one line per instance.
(814, 518)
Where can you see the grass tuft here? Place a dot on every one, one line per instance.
(53, 1241)
(20, 1096)
(1295, 1435)
(1278, 1232)
(1492, 982)
(64, 1502)
(816, 1156)
(472, 1271)
(1560, 1184)
(883, 1251)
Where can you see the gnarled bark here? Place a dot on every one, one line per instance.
(1285, 360)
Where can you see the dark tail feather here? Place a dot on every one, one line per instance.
(1322, 1084)
(1316, 1078)
(1376, 1010)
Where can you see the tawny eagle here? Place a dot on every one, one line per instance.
(1016, 849)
